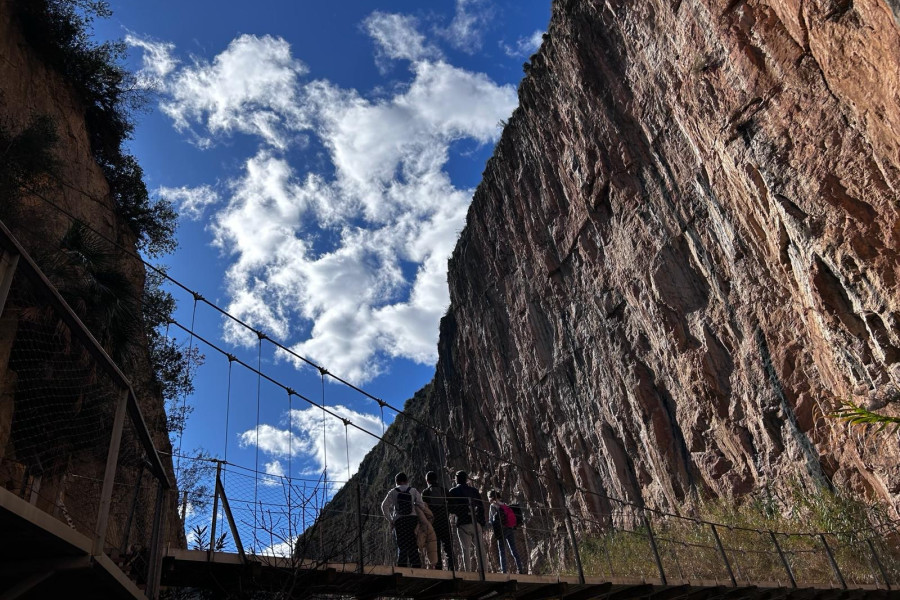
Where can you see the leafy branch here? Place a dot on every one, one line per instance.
(855, 414)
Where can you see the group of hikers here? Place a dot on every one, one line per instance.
(423, 520)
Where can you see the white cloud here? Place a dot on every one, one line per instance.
(348, 265)
(157, 61)
(318, 437)
(397, 37)
(467, 28)
(191, 202)
(524, 46)
(251, 87)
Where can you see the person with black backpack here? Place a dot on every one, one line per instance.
(504, 522)
(398, 507)
(436, 498)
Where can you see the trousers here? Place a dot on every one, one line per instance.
(471, 542)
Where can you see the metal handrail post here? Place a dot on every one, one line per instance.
(574, 541)
(215, 514)
(655, 549)
(109, 474)
(784, 561)
(833, 562)
(723, 555)
(880, 566)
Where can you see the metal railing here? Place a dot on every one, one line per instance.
(73, 441)
(273, 517)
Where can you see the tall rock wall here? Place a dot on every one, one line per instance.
(683, 255)
(29, 89)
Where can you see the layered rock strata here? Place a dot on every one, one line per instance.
(682, 257)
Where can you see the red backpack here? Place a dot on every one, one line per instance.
(507, 516)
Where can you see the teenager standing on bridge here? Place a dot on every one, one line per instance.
(399, 508)
(467, 505)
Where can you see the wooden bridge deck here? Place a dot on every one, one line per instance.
(225, 571)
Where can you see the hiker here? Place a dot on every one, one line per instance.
(399, 508)
(426, 539)
(503, 520)
(466, 503)
(436, 498)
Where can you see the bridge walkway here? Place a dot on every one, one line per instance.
(227, 571)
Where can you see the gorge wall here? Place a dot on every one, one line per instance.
(77, 189)
(682, 257)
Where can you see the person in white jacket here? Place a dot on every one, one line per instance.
(399, 507)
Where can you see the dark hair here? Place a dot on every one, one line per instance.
(401, 478)
(493, 494)
(430, 477)
(461, 477)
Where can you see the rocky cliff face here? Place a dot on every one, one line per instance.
(30, 89)
(683, 255)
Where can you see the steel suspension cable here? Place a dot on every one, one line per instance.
(183, 416)
(256, 479)
(228, 405)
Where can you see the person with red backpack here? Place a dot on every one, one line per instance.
(504, 522)
(399, 507)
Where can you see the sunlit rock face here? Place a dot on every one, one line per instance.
(684, 252)
(683, 255)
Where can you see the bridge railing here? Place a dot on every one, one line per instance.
(73, 441)
(276, 516)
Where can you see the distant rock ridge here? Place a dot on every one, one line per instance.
(682, 256)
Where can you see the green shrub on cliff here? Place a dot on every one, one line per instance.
(60, 33)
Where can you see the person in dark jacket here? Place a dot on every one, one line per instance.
(399, 507)
(467, 505)
(436, 498)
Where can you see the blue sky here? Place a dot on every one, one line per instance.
(322, 156)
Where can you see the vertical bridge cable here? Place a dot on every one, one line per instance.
(231, 360)
(182, 416)
(290, 394)
(260, 337)
(323, 372)
(347, 442)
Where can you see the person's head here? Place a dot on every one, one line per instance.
(401, 479)
(431, 478)
(461, 477)
(494, 496)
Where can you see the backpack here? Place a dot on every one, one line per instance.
(507, 517)
(519, 514)
(404, 502)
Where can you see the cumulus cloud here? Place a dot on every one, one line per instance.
(397, 37)
(525, 46)
(311, 433)
(192, 202)
(346, 264)
(251, 88)
(156, 62)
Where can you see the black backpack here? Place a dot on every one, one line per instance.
(520, 514)
(404, 502)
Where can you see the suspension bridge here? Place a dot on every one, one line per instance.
(88, 503)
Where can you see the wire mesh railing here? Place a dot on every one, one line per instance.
(73, 442)
(298, 521)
